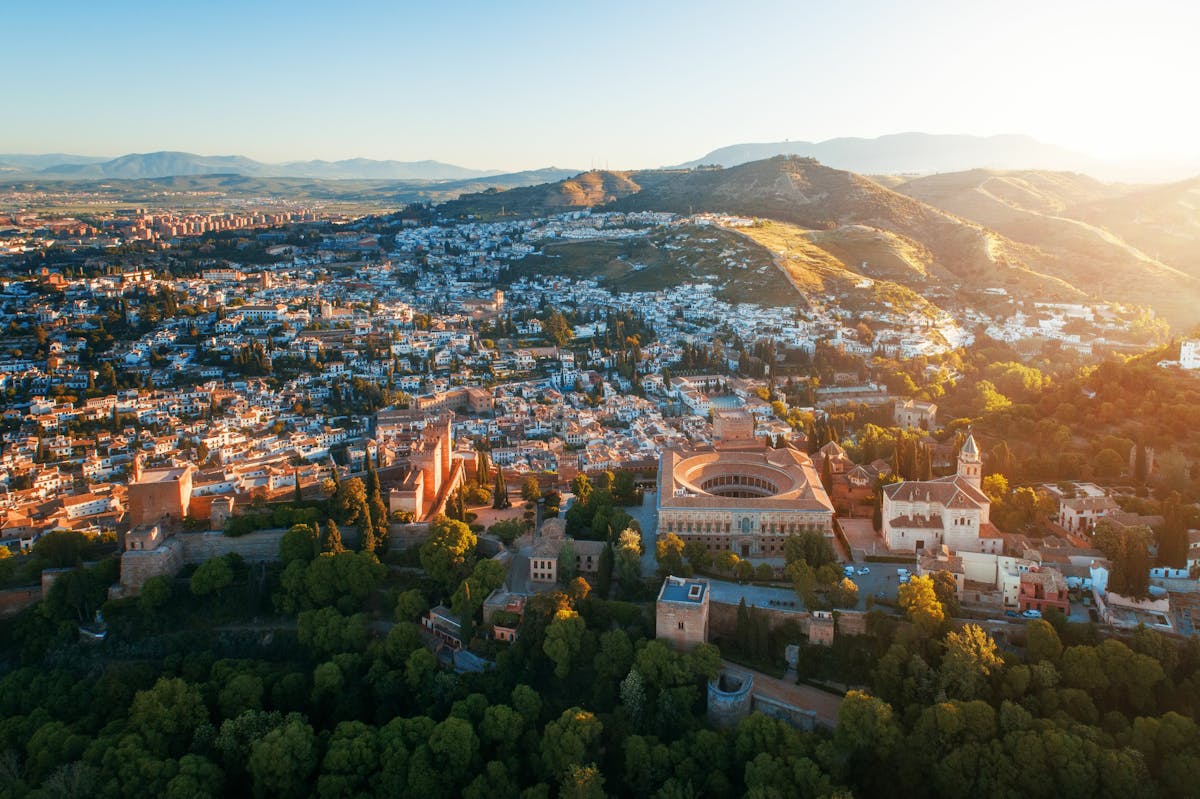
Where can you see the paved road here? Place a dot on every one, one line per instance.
(647, 516)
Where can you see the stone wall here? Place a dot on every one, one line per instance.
(404, 536)
(14, 600)
(139, 565)
(261, 545)
(722, 620)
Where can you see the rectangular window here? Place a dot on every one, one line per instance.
(681, 625)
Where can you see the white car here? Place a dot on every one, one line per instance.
(1032, 614)
(864, 570)
(848, 571)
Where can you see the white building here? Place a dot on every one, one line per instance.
(1189, 353)
(954, 511)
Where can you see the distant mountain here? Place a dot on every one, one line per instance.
(916, 153)
(366, 195)
(848, 222)
(174, 164)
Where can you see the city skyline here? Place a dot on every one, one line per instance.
(532, 85)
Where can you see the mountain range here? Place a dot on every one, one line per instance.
(901, 154)
(1041, 235)
(925, 153)
(174, 164)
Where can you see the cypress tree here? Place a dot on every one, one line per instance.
(333, 539)
(366, 531)
(500, 491)
(299, 496)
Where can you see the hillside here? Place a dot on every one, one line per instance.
(943, 231)
(1049, 211)
(741, 270)
(815, 197)
(585, 190)
(1163, 221)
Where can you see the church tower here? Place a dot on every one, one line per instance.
(970, 465)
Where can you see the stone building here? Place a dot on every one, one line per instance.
(160, 495)
(681, 612)
(740, 495)
(954, 511)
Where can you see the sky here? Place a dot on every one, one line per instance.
(516, 85)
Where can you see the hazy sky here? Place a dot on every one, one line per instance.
(512, 84)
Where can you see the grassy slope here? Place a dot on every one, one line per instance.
(813, 269)
(1034, 208)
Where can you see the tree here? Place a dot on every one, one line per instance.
(500, 491)
(349, 501)
(333, 539)
(448, 552)
(213, 576)
(1108, 464)
(668, 551)
(867, 736)
(624, 489)
(530, 490)
(351, 760)
(581, 487)
(1042, 642)
(282, 762)
(566, 562)
(298, 543)
(995, 487)
(1127, 549)
(507, 530)
(1172, 536)
(919, 600)
(564, 639)
(155, 594)
(970, 662)
(367, 539)
(582, 782)
(410, 605)
(167, 715)
(570, 740)
(326, 631)
(946, 588)
(628, 556)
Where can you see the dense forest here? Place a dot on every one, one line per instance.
(312, 677)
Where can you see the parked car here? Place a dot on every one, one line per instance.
(848, 571)
(864, 570)
(1032, 614)
(1012, 614)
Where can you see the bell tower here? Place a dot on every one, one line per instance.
(970, 465)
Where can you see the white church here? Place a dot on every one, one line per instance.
(925, 514)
